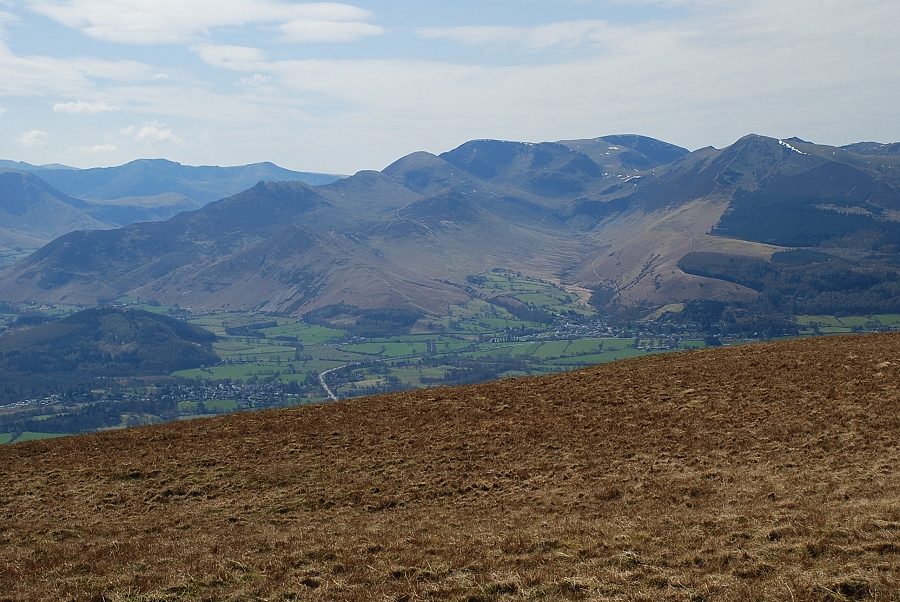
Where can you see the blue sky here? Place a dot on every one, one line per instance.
(341, 87)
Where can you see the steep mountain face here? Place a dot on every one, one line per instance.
(618, 213)
(750, 200)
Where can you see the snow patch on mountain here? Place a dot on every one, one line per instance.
(793, 148)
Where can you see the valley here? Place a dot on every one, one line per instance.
(272, 361)
(493, 260)
(268, 361)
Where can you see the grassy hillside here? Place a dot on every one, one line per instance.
(764, 472)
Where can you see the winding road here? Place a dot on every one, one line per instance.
(325, 386)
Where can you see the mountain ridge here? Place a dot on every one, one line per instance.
(413, 232)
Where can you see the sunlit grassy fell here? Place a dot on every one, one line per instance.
(762, 472)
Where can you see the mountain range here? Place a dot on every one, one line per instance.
(638, 222)
(41, 202)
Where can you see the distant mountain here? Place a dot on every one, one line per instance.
(273, 247)
(155, 178)
(168, 187)
(752, 199)
(627, 151)
(98, 342)
(641, 222)
(22, 166)
(143, 190)
(32, 212)
(547, 169)
(874, 148)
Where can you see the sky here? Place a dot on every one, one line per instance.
(340, 87)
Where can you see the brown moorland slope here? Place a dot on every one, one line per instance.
(763, 472)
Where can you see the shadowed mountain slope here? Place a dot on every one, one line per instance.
(762, 472)
(547, 169)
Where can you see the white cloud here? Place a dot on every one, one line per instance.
(81, 107)
(174, 21)
(256, 80)
(566, 34)
(95, 148)
(707, 77)
(34, 139)
(152, 133)
(30, 76)
(239, 58)
(819, 69)
(308, 30)
(2, 110)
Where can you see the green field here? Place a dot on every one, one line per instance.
(535, 293)
(600, 358)
(290, 350)
(306, 333)
(245, 348)
(30, 436)
(845, 324)
(388, 348)
(212, 405)
(413, 376)
(479, 317)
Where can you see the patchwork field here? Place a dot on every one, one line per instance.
(846, 324)
(760, 472)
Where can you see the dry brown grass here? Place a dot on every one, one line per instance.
(765, 472)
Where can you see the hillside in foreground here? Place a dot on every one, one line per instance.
(763, 472)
